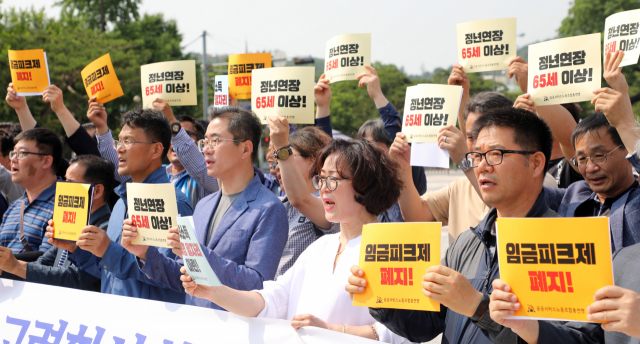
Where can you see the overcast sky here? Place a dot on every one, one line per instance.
(415, 35)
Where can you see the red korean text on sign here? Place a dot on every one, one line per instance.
(96, 88)
(468, 53)
(265, 102)
(396, 276)
(151, 90)
(545, 80)
(141, 221)
(221, 99)
(333, 64)
(548, 281)
(243, 80)
(69, 217)
(24, 76)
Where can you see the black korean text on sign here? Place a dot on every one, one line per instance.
(244, 67)
(483, 37)
(192, 264)
(99, 73)
(428, 119)
(166, 76)
(484, 49)
(567, 59)
(549, 253)
(567, 77)
(622, 31)
(397, 253)
(184, 233)
(24, 64)
(149, 205)
(283, 101)
(169, 87)
(344, 49)
(71, 201)
(290, 85)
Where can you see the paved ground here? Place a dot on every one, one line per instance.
(436, 182)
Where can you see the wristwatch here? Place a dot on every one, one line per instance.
(175, 128)
(465, 165)
(283, 153)
(482, 308)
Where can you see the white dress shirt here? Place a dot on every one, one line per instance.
(311, 286)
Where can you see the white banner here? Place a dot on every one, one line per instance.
(31, 312)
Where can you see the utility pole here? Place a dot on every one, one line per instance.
(205, 81)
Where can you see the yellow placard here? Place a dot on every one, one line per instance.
(240, 68)
(29, 71)
(429, 107)
(71, 209)
(564, 70)
(486, 45)
(622, 32)
(284, 91)
(394, 257)
(173, 81)
(153, 209)
(346, 55)
(100, 80)
(554, 265)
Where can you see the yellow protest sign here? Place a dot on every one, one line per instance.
(100, 80)
(346, 55)
(173, 81)
(429, 107)
(153, 209)
(394, 257)
(284, 91)
(554, 265)
(621, 33)
(240, 68)
(486, 45)
(564, 70)
(29, 71)
(71, 209)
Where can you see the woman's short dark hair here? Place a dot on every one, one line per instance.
(530, 131)
(373, 174)
(97, 171)
(309, 141)
(374, 129)
(243, 124)
(153, 123)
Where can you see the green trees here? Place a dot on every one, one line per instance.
(71, 43)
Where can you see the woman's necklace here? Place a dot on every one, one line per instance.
(340, 252)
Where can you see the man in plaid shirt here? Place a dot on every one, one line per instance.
(34, 162)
